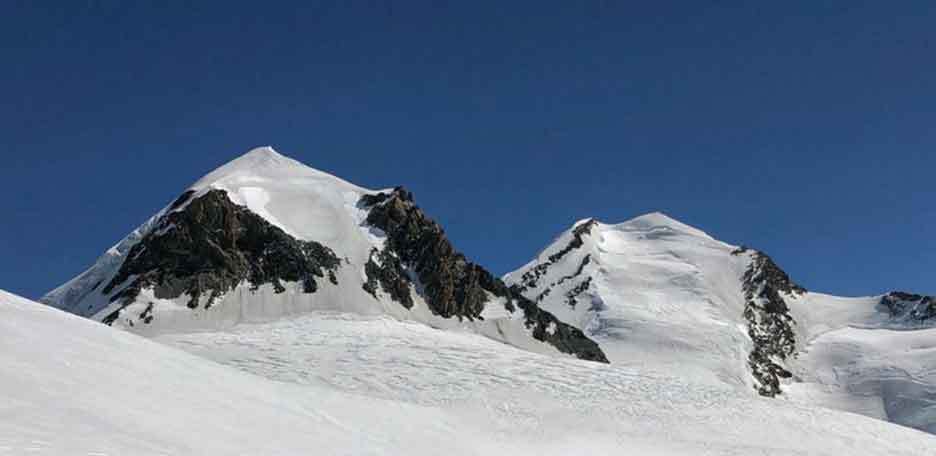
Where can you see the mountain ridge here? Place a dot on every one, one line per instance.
(655, 291)
(264, 236)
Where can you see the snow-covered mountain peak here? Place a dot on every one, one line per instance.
(292, 196)
(264, 166)
(650, 289)
(264, 154)
(656, 222)
(656, 292)
(260, 161)
(264, 237)
(654, 233)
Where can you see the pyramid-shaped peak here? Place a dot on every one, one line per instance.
(263, 164)
(263, 153)
(264, 156)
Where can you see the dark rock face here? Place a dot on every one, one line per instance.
(451, 285)
(770, 325)
(909, 307)
(208, 248)
(547, 328)
(383, 268)
(573, 294)
(454, 286)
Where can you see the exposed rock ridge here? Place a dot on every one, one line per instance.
(910, 308)
(578, 271)
(571, 294)
(770, 325)
(209, 247)
(451, 285)
(530, 278)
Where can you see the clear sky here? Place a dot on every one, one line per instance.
(804, 129)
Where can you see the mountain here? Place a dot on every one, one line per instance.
(657, 293)
(73, 386)
(274, 268)
(265, 236)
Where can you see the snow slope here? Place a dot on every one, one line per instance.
(72, 386)
(857, 358)
(306, 204)
(659, 294)
(650, 291)
(542, 404)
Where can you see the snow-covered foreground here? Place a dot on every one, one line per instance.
(541, 403)
(72, 387)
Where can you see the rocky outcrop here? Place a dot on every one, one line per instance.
(417, 249)
(770, 325)
(384, 269)
(573, 294)
(910, 308)
(454, 286)
(206, 248)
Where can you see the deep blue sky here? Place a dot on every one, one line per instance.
(805, 129)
